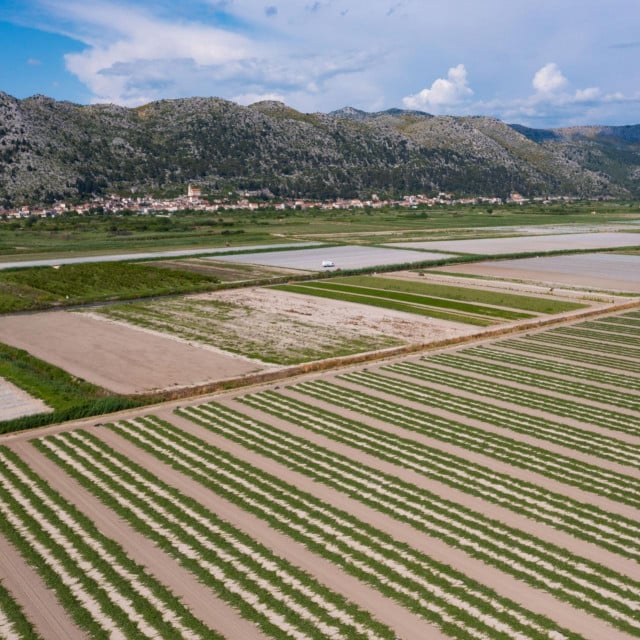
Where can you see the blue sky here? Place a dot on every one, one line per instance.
(541, 63)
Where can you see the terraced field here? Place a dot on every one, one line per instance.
(486, 492)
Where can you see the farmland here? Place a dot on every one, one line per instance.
(486, 491)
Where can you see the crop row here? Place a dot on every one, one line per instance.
(430, 589)
(615, 533)
(619, 380)
(624, 321)
(560, 406)
(13, 623)
(577, 389)
(564, 469)
(603, 335)
(588, 344)
(573, 354)
(587, 585)
(283, 600)
(104, 590)
(617, 329)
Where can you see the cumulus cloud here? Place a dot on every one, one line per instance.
(549, 79)
(444, 92)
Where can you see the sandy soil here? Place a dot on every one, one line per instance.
(15, 403)
(38, 602)
(119, 358)
(335, 313)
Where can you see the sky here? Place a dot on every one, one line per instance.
(540, 63)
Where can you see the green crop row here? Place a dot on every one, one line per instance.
(13, 623)
(560, 406)
(385, 304)
(535, 304)
(417, 299)
(70, 397)
(619, 380)
(587, 585)
(564, 469)
(625, 321)
(435, 591)
(618, 534)
(595, 345)
(617, 329)
(528, 345)
(102, 588)
(284, 601)
(616, 398)
(578, 331)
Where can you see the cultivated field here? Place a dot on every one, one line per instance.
(116, 357)
(491, 491)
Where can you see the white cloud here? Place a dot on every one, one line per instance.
(549, 79)
(252, 98)
(444, 92)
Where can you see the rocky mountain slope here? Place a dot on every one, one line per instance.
(50, 150)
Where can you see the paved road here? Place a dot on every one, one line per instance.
(122, 257)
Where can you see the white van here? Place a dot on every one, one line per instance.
(328, 263)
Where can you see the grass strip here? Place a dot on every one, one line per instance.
(69, 396)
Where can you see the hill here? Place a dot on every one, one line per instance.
(51, 150)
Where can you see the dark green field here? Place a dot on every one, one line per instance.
(43, 287)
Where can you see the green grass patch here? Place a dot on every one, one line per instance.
(41, 287)
(69, 397)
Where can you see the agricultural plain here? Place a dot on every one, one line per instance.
(487, 491)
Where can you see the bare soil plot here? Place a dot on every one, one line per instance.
(15, 402)
(530, 243)
(345, 315)
(119, 358)
(595, 271)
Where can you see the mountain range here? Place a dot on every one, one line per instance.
(50, 150)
